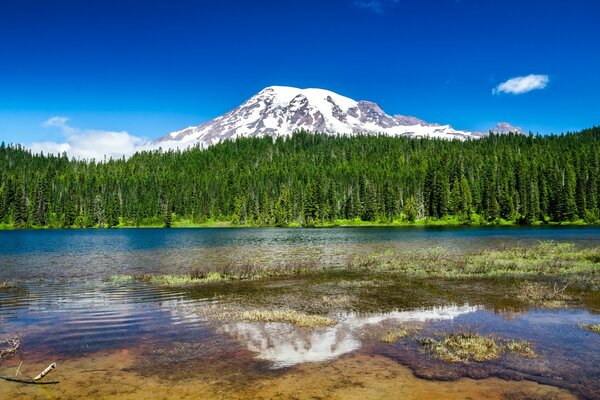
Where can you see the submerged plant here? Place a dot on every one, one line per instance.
(395, 335)
(593, 328)
(466, 347)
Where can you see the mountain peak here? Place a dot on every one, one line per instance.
(502, 128)
(281, 110)
(285, 94)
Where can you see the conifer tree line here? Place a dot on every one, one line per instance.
(311, 179)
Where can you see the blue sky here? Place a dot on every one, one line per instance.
(151, 67)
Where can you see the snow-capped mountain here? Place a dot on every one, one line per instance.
(281, 110)
(502, 128)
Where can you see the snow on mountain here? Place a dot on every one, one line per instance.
(280, 110)
(502, 128)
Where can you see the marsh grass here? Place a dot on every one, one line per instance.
(393, 336)
(296, 318)
(593, 328)
(224, 273)
(121, 279)
(560, 260)
(467, 347)
(544, 294)
(341, 300)
(546, 258)
(7, 285)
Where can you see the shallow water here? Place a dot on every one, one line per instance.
(135, 340)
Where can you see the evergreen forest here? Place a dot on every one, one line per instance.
(312, 180)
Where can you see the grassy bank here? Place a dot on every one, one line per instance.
(473, 220)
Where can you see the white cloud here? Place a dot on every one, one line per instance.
(522, 84)
(94, 144)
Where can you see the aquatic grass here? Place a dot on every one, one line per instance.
(546, 258)
(183, 280)
(7, 285)
(552, 296)
(121, 279)
(395, 335)
(223, 273)
(590, 327)
(467, 347)
(341, 300)
(293, 317)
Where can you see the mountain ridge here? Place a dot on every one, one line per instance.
(280, 110)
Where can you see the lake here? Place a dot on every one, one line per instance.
(117, 339)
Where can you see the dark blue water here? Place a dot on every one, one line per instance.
(105, 241)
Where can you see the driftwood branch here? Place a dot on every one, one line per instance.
(45, 372)
(8, 348)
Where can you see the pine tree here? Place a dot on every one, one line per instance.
(310, 209)
(167, 215)
(20, 213)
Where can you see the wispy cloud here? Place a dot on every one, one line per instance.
(375, 6)
(522, 84)
(90, 143)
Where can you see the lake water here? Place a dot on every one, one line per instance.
(93, 254)
(133, 340)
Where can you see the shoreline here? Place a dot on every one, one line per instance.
(337, 224)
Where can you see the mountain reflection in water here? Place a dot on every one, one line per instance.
(285, 345)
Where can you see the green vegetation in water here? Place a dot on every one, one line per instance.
(171, 280)
(7, 285)
(312, 180)
(579, 267)
(293, 317)
(593, 328)
(393, 336)
(466, 347)
(540, 294)
(225, 273)
(547, 259)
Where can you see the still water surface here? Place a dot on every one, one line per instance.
(66, 308)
